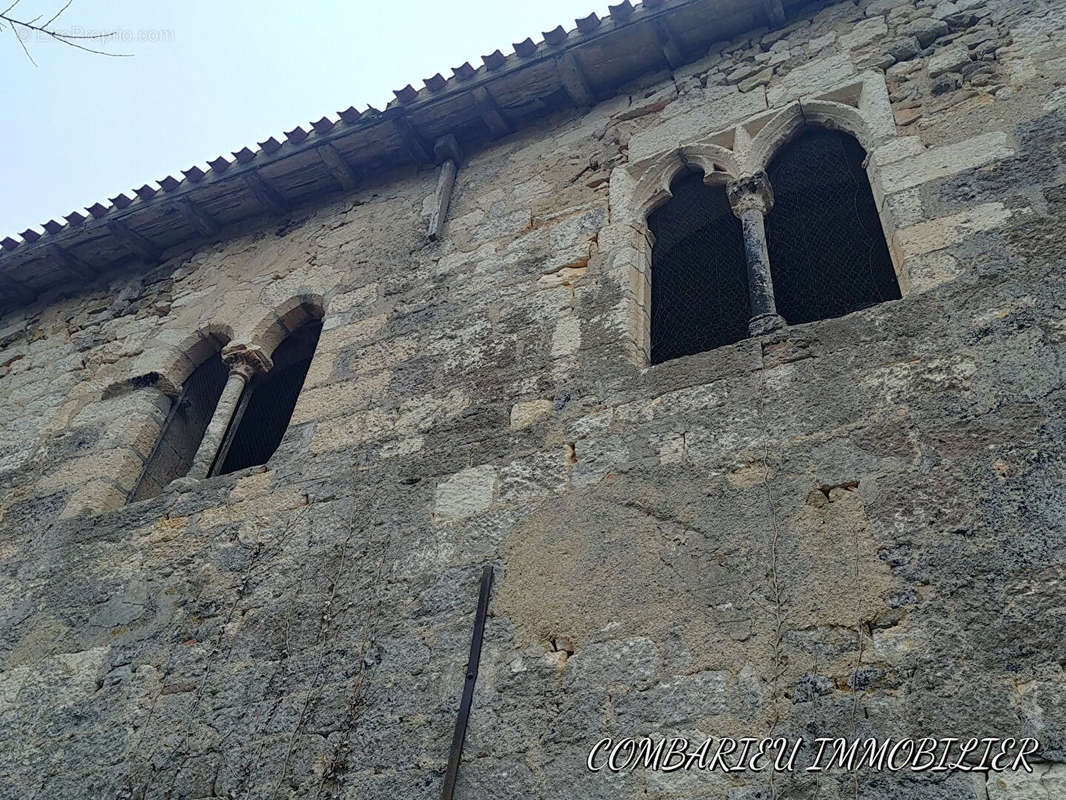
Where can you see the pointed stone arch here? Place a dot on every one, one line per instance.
(798, 116)
(654, 176)
(827, 249)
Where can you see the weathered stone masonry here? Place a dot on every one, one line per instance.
(849, 527)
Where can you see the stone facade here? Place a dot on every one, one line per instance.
(846, 528)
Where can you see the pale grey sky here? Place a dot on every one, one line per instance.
(208, 77)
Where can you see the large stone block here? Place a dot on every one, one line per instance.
(338, 398)
(466, 493)
(352, 430)
(940, 162)
(121, 465)
(864, 33)
(939, 233)
(528, 412)
(347, 335)
(722, 106)
(808, 78)
(948, 59)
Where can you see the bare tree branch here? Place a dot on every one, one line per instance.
(15, 31)
(58, 13)
(69, 39)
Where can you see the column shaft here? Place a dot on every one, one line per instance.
(760, 284)
(752, 198)
(216, 429)
(244, 361)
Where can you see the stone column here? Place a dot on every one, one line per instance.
(244, 362)
(752, 198)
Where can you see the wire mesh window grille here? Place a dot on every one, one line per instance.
(828, 255)
(266, 406)
(183, 429)
(699, 290)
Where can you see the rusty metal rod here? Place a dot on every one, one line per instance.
(452, 773)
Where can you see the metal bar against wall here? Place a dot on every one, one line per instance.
(448, 791)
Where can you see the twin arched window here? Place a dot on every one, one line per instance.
(253, 426)
(827, 252)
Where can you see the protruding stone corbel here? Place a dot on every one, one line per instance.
(337, 166)
(245, 362)
(446, 150)
(751, 198)
(411, 139)
(72, 264)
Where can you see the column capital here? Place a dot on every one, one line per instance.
(750, 192)
(246, 359)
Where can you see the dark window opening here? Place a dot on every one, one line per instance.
(828, 255)
(267, 404)
(699, 287)
(183, 429)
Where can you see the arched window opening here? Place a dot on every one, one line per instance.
(699, 293)
(184, 428)
(266, 406)
(828, 255)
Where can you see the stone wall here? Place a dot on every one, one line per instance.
(852, 528)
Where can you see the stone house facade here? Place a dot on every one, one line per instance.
(264, 426)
